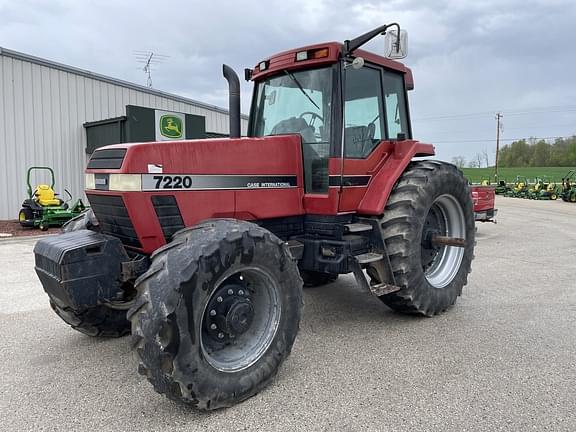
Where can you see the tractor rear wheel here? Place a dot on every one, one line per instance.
(217, 313)
(431, 198)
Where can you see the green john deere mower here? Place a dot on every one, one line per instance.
(519, 189)
(544, 189)
(43, 209)
(569, 187)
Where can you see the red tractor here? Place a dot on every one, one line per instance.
(200, 248)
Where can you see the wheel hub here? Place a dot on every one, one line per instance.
(442, 256)
(433, 226)
(230, 312)
(239, 317)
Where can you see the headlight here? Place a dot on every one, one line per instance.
(90, 181)
(125, 182)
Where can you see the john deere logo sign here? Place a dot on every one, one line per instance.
(170, 126)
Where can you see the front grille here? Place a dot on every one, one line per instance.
(113, 218)
(168, 215)
(107, 159)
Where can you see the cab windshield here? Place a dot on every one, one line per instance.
(299, 102)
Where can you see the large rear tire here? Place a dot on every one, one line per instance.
(430, 198)
(217, 313)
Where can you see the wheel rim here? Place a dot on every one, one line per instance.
(22, 216)
(441, 263)
(240, 319)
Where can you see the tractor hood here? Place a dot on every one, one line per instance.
(143, 193)
(275, 159)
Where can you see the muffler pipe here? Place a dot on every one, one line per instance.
(234, 100)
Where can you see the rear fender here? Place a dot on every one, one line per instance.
(385, 179)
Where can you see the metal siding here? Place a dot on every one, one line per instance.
(42, 110)
(10, 140)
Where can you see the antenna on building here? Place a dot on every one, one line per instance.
(149, 59)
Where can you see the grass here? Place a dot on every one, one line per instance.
(475, 175)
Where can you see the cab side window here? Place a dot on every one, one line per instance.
(396, 113)
(363, 111)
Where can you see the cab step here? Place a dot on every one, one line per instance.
(369, 257)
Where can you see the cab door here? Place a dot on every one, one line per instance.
(374, 114)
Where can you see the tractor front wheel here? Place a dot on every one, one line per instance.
(217, 313)
(430, 199)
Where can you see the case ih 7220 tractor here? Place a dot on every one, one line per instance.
(200, 248)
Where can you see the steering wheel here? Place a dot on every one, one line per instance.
(313, 116)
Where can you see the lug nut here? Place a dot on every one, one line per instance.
(213, 326)
(212, 312)
(241, 292)
(220, 335)
(219, 299)
(230, 291)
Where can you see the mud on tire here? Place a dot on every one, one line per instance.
(191, 323)
(429, 197)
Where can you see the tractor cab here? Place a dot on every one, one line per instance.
(349, 107)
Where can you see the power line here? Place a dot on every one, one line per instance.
(540, 110)
(501, 139)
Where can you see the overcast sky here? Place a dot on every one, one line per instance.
(469, 59)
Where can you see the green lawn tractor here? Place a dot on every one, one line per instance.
(501, 187)
(43, 208)
(520, 188)
(544, 189)
(568, 192)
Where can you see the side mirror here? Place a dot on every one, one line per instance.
(396, 45)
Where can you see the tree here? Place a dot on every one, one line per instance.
(473, 164)
(478, 159)
(485, 157)
(459, 161)
(541, 154)
(533, 152)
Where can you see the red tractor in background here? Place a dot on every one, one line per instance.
(200, 248)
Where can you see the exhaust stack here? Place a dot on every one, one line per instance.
(234, 101)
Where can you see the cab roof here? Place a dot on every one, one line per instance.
(286, 60)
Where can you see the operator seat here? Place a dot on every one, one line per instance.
(359, 140)
(295, 125)
(45, 196)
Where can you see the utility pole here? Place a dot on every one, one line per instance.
(498, 128)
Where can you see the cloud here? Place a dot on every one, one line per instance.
(467, 57)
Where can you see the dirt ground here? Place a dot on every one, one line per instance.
(12, 228)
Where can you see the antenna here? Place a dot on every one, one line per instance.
(149, 59)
